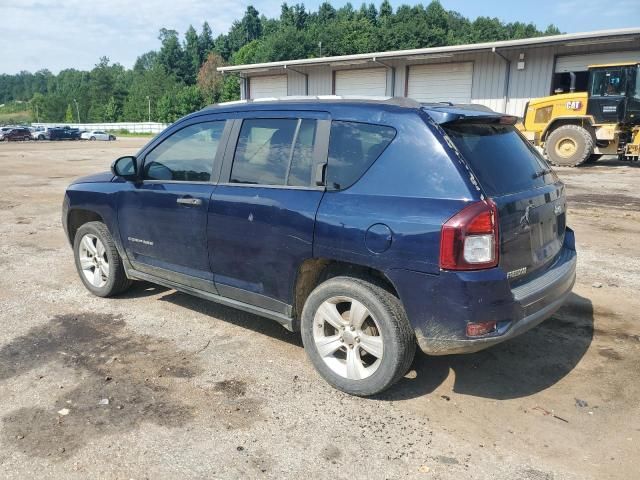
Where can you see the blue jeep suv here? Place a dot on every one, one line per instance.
(368, 225)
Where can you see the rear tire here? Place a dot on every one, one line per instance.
(357, 335)
(569, 146)
(98, 261)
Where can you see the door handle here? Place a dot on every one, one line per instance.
(189, 201)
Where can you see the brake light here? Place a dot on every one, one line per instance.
(469, 239)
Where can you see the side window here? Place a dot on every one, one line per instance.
(187, 155)
(302, 160)
(353, 147)
(274, 152)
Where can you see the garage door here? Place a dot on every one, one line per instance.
(268, 86)
(579, 63)
(364, 81)
(444, 82)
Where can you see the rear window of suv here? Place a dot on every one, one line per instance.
(500, 158)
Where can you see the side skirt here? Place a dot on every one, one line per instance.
(284, 320)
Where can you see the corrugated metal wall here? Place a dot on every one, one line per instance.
(489, 74)
(534, 81)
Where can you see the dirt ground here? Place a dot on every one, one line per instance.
(197, 390)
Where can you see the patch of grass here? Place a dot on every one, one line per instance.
(15, 118)
(127, 133)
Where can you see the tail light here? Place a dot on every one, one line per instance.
(469, 239)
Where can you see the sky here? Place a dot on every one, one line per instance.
(55, 35)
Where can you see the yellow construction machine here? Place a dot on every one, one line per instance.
(579, 127)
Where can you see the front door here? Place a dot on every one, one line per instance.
(262, 214)
(163, 218)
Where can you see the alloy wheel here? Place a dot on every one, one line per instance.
(93, 260)
(348, 338)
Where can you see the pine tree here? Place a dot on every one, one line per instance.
(68, 116)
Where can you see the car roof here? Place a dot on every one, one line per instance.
(440, 112)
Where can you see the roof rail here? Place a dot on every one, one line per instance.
(401, 101)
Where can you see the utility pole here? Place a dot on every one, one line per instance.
(77, 110)
(149, 101)
(320, 47)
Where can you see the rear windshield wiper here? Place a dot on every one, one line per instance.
(541, 173)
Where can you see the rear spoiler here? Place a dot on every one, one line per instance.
(469, 114)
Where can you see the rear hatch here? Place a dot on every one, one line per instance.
(529, 196)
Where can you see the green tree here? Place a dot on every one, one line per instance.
(181, 101)
(68, 116)
(205, 41)
(191, 54)
(111, 111)
(146, 61)
(171, 55)
(386, 10)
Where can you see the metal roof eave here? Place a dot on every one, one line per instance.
(451, 49)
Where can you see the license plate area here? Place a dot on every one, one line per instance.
(547, 229)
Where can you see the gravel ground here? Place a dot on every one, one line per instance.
(158, 384)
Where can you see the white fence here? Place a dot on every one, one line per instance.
(133, 127)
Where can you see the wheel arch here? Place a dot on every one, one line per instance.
(584, 121)
(313, 271)
(77, 217)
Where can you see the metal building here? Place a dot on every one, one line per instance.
(501, 75)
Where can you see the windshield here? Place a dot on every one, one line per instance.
(502, 160)
(609, 82)
(636, 91)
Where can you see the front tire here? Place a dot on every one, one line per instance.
(357, 335)
(569, 146)
(98, 261)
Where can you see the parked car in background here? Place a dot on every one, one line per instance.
(368, 226)
(64, 133)
(97, 135)
(16, 133)
(40, 133)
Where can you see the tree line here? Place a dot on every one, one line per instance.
(181, 77)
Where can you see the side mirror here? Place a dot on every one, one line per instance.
(125, 168)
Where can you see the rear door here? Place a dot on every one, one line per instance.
(163, 218)
(262, 214)
(530, 198)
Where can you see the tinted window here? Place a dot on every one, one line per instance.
(302, 160)
(274, 152)
(187, 155)
(501, 159)
(353, 147)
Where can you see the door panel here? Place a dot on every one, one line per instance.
(160, 231)
(163, 218)
(261, 217)
(258, 237)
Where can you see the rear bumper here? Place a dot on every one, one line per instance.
(439, 307)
